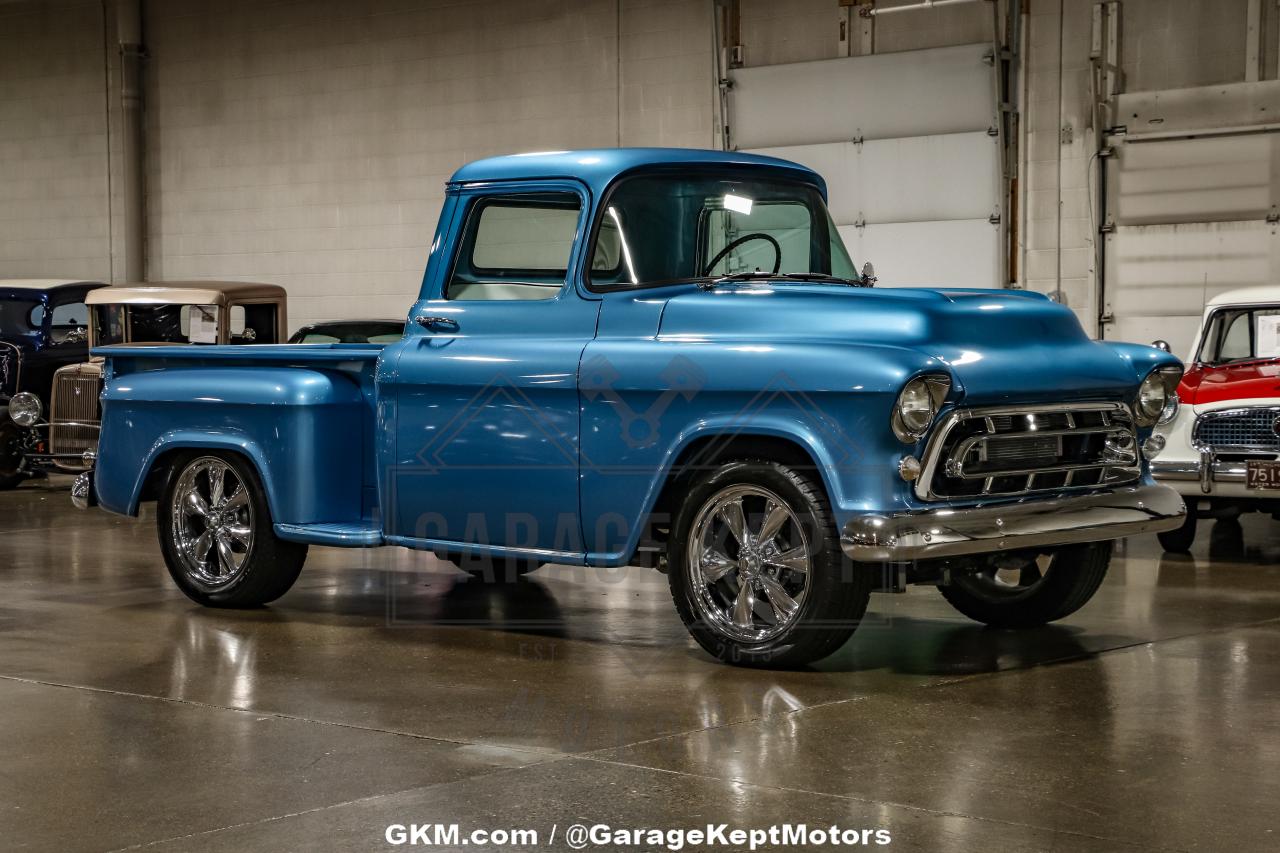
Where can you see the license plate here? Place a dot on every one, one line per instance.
(1262, 475)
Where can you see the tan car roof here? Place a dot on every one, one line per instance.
(184, 293)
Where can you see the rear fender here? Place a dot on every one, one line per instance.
(306, 432)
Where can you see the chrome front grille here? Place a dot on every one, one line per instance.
(1249, 430)
(1014, 451)
(74, 414)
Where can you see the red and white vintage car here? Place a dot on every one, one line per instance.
(1222, 432)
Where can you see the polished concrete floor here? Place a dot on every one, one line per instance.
(387, 688)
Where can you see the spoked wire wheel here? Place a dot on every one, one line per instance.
(212, 523)
(749, 564)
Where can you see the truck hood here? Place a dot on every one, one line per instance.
(1246, 380)
(1002, 346)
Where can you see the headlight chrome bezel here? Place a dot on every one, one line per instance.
(1164, 382)
(1170, 411)
(25, 409)
(930, 388)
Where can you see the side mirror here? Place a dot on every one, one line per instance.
(1164, 345)
(868, 276)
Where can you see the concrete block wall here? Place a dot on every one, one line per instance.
(53, 141)
(1060, 228)
(308, 144)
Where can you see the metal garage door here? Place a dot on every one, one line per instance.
(1190, 218)
(905, 142)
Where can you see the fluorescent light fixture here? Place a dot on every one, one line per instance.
(738, 204)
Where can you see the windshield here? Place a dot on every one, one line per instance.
(668, 228)
(154, 324)
(1241, 334)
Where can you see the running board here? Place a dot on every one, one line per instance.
(333, 535)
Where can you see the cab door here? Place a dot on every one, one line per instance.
(485, 386)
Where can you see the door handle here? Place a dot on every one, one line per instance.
(437, 324)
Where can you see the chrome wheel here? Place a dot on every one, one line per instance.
(212, 523)
(748, 563)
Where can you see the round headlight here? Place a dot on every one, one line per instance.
(24, 408)
(1170, 410)
(917, 406)
(1152, 398)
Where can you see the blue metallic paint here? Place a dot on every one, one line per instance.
(576, 408)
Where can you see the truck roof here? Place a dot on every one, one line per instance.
(599, 167)
(1258, 294)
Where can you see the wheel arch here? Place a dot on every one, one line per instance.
(167, 453)
(704, 451)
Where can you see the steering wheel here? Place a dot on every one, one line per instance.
(746, 238)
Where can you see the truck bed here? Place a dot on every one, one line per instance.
(303, 414)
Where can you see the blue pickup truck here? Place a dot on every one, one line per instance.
(662, 358)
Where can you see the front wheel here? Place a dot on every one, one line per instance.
(216, 534)
(1026, 591)
(1179, 541)
(756, 569)
(10, 454)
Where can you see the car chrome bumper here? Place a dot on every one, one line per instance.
(1207, 469)
(952, 532)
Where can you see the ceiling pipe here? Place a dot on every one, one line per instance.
(874, 11)
(132, 189)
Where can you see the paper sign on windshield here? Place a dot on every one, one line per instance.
(204, 325)
(1268, 336)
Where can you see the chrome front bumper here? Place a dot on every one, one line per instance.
(1210, 471)
(1032, 523)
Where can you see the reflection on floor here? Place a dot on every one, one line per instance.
(387, 688)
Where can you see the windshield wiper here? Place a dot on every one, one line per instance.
(821, 276)
(790, 276)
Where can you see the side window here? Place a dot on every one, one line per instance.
(789, 225)
(69, 323)
(70, 314)
(515, 247)
(108, 325)
(254, 323)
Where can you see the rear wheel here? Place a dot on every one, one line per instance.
(756, 569)
(1179, 541)
(216, 534)
(1026, 591)
(10, 454)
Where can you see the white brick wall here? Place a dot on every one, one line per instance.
(308, 144)
(53, 141)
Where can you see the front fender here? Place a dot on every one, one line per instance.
(644, 404)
